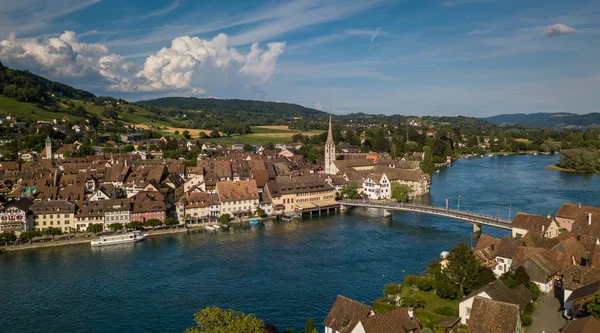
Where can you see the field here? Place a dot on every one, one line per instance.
(28, 111)
(264, 134)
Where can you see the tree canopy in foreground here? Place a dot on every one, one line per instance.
(216, 320)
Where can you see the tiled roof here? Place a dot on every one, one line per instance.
(507, 248)
(491, 316)
(498, 291)
(578, 276)
(531, 222)
(345, 314)
(236, 191)
(302, 184)
(570, 211)
(395, 321)
(585, 291)
(583, 325)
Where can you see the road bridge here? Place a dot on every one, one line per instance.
(475, 218)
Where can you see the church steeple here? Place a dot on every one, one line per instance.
(48, 148)
(329, 149)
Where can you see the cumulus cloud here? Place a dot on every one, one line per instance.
(190, 64)
(558, 29)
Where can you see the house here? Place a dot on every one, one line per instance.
(496, 291)
(580, 297)
(575, 277)
(238, 198)
(14, 216)
(146, 210)
(88, 212)
(398, 320)
(505, 252)
(116, 211)
(543, 225)
(544, 267)
(58, 214)
(345, 314)
(285, 153)
(567, 214)
(492, 316)
(587, 324)
(301, 192)
(101, 194)
(198, 207)
(377, 186)
(237, 146)
(485, 250)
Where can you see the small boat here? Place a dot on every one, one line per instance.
(490, 155)
(255, 221)
(216, 226)
(130, 237)
(209, 228)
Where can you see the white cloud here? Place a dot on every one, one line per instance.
(190, 65)
(558, 29)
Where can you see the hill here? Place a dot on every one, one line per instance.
(547, 120)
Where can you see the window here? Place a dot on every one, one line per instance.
(66, 221)
(44, 222)
(50, 216)
(66, 215)
(468, 311)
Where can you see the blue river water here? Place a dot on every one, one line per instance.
(282, 272)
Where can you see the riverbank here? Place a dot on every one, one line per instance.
(557, 168)
(80, 240)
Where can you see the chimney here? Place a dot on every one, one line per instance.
(549, 216)
(579, 205)
(543, 227)
(589, 218)
(411, 313)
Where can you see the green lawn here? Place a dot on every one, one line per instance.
(28, 111)
(261, 135)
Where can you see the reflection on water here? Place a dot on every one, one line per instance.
(283, 272)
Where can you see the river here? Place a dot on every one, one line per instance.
(282, 272)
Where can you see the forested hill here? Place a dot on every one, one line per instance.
(547, 120)
(28, 87)
(275, 109)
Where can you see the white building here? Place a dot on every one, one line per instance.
(377, 187)
(496, 291)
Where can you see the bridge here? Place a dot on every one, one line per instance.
(476, 219)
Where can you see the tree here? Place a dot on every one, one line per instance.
(392, 289)
(260, 212)
(349, 190)
(152, 223)
(224, 218)
(134, 225)
(95, 228)
(54, 232)
(217, 320)
(28, 235)
(593, 306)
(215, 134)
(463, 267)
(186, 134)
(310, 325)
(7, 237)
(248, 147)
(427, 164)
(128, 148)
(115, 226)
(171, 221)
(400, 191)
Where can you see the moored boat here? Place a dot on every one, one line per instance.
(130, 237)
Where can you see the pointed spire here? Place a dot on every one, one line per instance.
(330, 132)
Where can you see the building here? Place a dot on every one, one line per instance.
(377, 186)
(496, 291)
(290, 194)
(198, 207)
(146, 210)
(580, 297)
(492, 316)
(58, 214)
(238, 198)
(588, 324)
(116, 211)
(566, 215)
(14, 216)
(345, 314)
(48, 149)
(329, 150)
(524, 223)
(505, 252)
(576, 277)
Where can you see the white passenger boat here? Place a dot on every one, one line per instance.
(209, 228)
(130, 237)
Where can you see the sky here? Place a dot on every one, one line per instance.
(413, 57)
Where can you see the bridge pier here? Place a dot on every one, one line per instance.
(387, 213)
(476, 228)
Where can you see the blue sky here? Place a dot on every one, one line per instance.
(447, 57)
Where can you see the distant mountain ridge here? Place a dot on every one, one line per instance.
(233, 105)
(547, 120)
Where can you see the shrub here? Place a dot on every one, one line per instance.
(392, 289)
(446, 310)
(428, 318)
(384, 304)
(446, 289)
(526, 319)
(535, 290)
(414, 301)
(410, 280)
(424, 284)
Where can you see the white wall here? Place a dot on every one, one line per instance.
(568, 305)
(502, 267)
(468, 304)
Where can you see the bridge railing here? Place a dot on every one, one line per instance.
(371, 203)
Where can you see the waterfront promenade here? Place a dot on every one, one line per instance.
(476, 219)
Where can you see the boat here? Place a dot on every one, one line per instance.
(209, 228)
(490, 155)
(130, 237)
(255, 221)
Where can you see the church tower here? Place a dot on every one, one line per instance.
(329, 149)
(48, 148)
